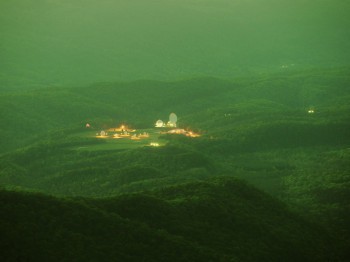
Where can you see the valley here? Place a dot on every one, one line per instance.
(249, 131)
(174, 130)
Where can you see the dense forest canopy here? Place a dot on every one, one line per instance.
(256, 129)
(256, 169)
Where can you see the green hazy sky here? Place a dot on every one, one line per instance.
(73, 42)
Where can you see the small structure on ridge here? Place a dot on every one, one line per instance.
(159, 123)
(172, 120)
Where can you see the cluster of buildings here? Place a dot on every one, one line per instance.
(171, 123)
(182, 132)
(124, 132)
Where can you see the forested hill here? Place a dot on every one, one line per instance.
(254, 166)
(217, 220)
(213, 105)
(285, 133)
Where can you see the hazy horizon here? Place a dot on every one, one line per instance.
(64, 42)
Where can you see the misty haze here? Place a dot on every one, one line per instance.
(174, 130)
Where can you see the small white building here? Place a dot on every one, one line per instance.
(159, 123)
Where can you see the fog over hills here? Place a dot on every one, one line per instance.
(47, 42)
(174, 130)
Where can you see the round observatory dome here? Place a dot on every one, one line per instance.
(173, 118)
(159, 123)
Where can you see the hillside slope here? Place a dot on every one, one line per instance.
(256, 129)
(217, 107)
(217, 220)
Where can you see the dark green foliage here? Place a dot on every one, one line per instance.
(320, 190)
(217, 220)
(55, 168)
(237, 109)
(255, 129)
(39, 228)
(280, 121)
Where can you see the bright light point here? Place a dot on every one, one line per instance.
(102, 134)
(171, 124)
(311, 111)
(144, 135)
(159, 123)
(183, 132)
(135, 137)
(154, 144)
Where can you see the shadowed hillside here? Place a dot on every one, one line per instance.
(284, 133)
(270, 103)
(174, 130)
(217, 220)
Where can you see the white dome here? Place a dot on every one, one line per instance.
(173, 118)
(159, 123)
